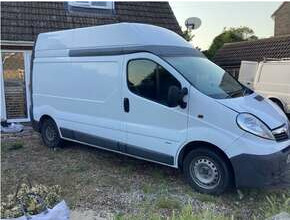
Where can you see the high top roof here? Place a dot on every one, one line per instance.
(109, 36)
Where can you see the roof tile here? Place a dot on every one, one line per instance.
(24, 20)
(254, 50)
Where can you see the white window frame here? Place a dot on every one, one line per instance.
(88, 4)
(27, 59)
(3, 102)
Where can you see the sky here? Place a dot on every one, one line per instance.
(217, 15)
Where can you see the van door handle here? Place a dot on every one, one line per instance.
(126, 105)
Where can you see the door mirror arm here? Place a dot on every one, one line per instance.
(183, 92)
(175, 97)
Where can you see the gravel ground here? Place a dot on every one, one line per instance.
(108, 184)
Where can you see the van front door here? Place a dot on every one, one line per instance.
(155, 131)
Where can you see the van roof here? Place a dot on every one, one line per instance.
(109, 36)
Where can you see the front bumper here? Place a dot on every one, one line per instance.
(262, 170)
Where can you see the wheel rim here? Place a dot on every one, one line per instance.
(205, 173)
(50, 133)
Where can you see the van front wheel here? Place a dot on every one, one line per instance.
(50, 134)
(206, 171)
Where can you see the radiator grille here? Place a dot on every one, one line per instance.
(281, 137)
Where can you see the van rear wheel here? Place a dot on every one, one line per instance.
(50, 134)
(206, 171)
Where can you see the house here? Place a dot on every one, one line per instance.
(229, 57)
(21, 22)
(282, 19)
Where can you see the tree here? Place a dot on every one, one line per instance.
(230, 35)
(187, 34)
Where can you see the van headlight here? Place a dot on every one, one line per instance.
(253, 125)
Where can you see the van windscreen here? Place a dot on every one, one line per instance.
(208, 78)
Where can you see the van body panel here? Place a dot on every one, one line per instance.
(250, 144)
(93, 108)
(150, 124)
(102, 37)
(271, 79)
(259, 162)
(247, 73)
(211, 128)
(262, 109)
(262, 170)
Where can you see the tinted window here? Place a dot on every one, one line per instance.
(150, 80)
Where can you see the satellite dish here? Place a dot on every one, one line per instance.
(192, 23)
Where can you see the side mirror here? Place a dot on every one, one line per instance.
(175, 96)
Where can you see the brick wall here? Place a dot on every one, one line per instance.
(282, 20)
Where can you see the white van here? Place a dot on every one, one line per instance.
(143, 91)
(270, 79)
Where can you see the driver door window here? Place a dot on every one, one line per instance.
(150, 80)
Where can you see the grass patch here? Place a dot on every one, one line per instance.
(165, 202)
(275, 204)
(206, 197)
(148, 188)
(95, 179)
(76, 168)
(15, 146)
(127, 169)
(111, 181)
(185, 213)
(158, 175)
(188, 214)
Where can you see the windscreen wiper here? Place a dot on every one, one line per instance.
(234, 93)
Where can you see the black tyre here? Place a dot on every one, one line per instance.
(50, 134)
(206, 171)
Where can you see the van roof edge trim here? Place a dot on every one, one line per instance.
(160, 50)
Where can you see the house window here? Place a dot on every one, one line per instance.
(15, 77)
(93, 4)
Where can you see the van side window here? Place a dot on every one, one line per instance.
(150, 80)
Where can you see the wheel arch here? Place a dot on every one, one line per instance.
(277, 100)
(202, 144)
(43, 118)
